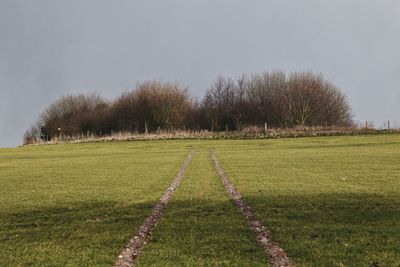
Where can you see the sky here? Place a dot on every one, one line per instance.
(50, 48)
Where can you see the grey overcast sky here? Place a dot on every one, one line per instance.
(49, 48)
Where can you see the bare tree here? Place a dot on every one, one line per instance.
(301, 98)
(69, 114)
(311, 100)
(32, 135)
(153, 105)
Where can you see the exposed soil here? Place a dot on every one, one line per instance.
(277, 255)
(131, 251)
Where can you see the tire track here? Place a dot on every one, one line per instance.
(277, 255)
(131, 251)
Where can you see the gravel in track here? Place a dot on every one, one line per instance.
(131, 251)
(277, 255)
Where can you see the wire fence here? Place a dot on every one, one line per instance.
(382, 125)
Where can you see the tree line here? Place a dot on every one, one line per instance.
(275, 98)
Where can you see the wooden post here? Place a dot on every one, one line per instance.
(388, 125)
(265, 127)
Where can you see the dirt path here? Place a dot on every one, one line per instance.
(278, 256)
(131, 251)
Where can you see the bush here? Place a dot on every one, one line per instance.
(297, 99)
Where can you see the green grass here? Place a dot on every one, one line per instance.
(201, 225)
(329, 201)
(77, 205)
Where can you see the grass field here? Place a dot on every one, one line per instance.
(77, 205)
(202, 225)
(328, 201)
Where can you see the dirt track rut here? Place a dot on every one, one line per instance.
(277, 255)
(131, 251)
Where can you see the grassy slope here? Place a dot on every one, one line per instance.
(201, 225)
(328, 201)
(78, 204)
